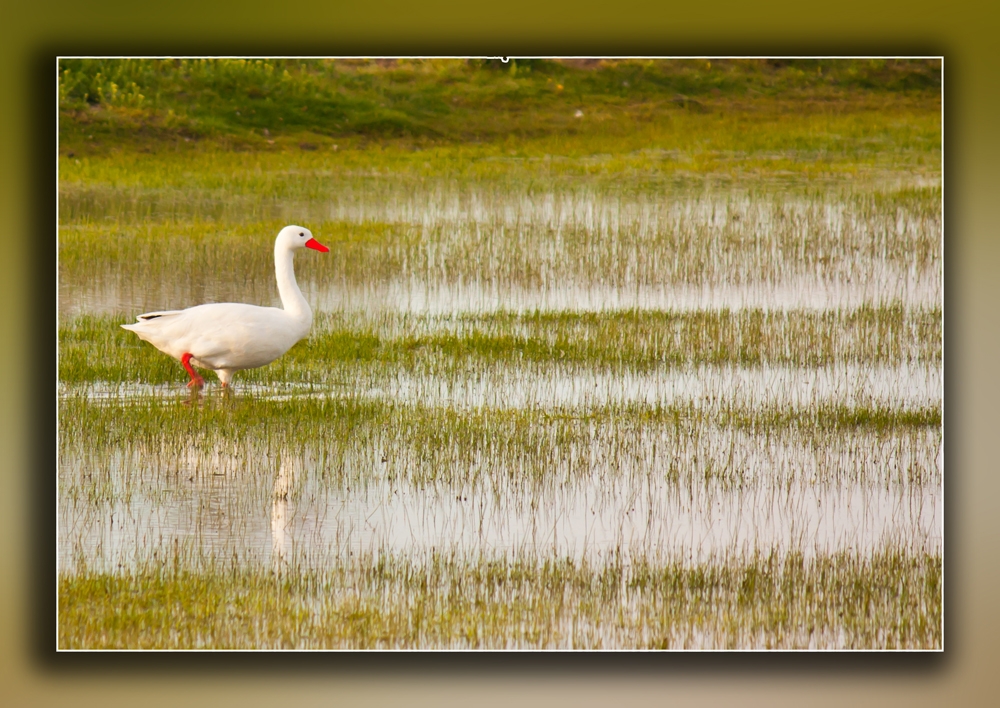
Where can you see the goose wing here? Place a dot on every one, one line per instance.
(146, 317)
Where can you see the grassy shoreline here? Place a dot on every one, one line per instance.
(310, 105)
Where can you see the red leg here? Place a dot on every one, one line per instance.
(195, 379)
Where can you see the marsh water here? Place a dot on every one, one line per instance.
(690, 489)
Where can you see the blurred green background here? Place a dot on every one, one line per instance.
(260, 103)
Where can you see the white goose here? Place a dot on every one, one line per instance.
(228, 337)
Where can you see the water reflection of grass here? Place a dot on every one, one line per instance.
(420, 444)
(890, 600)
(529, 233)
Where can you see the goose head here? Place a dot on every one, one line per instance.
(295, 237)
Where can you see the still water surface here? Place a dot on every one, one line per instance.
(643, 491)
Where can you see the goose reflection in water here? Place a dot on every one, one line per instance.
(279, 515)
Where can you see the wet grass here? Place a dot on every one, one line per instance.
(483, 248)
(95, 349)
(887, 601)
(364, 442)
(115, 422)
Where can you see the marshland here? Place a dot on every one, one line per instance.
(605, 355)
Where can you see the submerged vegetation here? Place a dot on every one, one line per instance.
(617, 354)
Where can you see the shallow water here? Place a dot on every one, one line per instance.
(436, 248)
(901, 387)
(793, 293)
(888, 287)
(716, 492)
(850, 492)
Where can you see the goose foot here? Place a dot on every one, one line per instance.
(196, 381)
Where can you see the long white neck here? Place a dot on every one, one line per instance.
(291, 297)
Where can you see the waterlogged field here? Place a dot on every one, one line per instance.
(574, 401)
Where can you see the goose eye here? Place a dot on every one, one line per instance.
(301, 234)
